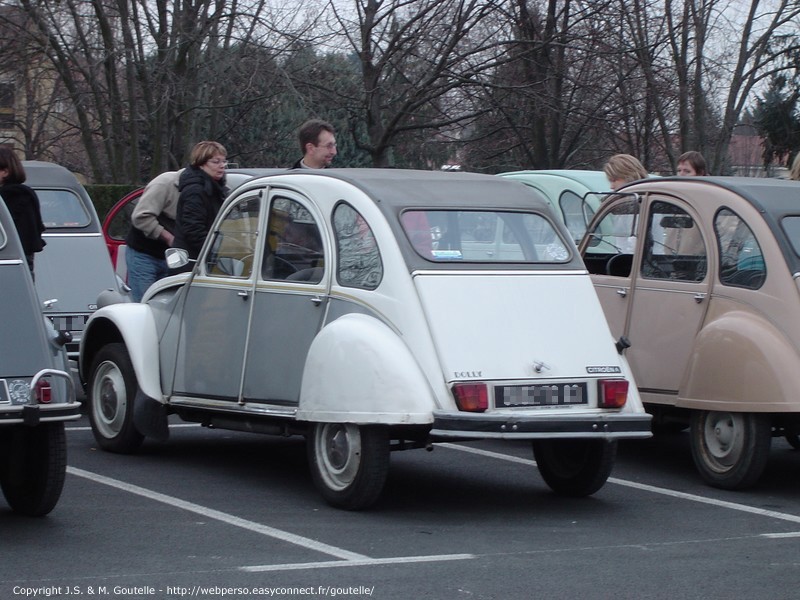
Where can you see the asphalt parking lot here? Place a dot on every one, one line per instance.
(218, 514)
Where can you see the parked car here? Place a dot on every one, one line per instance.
(74, 266)
(572, 194)
(699, 275)
(36, 389)
(117, 222)
(373, 310)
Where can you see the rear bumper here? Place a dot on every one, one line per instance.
(33, 414)
(610, 426)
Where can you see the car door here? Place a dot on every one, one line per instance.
(217, 307)
(653, 284)
(670, 295)
(608, 252)
(290, 300)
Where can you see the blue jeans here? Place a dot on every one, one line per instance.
(143, 271)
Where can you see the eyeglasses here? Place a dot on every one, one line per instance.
(219, 161)
(328, 146)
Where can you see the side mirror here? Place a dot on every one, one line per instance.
(176, 257)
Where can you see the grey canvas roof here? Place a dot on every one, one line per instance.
(396, 190)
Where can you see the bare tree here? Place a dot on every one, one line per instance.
(412, 54)
(148, 78)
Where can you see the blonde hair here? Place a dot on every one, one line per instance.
(205, 151)
(624, 167)
(794, 172)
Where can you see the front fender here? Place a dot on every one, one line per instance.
(359, 371)
(132, 324)
(741, 362)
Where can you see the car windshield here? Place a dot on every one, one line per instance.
(62, 208)
(483, 236)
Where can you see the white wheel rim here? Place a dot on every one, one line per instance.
(724, 438)
(109, 399)
(338, 451)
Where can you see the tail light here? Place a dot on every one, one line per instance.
(612, 393)
(43, 393)
(471, 397)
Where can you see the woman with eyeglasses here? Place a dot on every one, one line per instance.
(202, 191)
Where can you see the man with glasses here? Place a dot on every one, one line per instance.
(317, 143)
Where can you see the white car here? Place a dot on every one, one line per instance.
(374, 310)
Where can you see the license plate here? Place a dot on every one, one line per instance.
(555, 394)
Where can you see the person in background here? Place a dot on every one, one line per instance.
(794, 172)
(317, 143)
(202, 192)
(623, 168)
(22, 203)
(153, 224)
(692, 164)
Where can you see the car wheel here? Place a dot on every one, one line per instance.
(349, 463)
(34, 466)
(730, 450)
(575, 467)
(112, 388)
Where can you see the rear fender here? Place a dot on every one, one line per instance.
(132, 324)
(741, 362)
(359, 371)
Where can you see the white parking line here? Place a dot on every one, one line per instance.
(351, 559)
(644, 487)
(220, 516)
(358, 563)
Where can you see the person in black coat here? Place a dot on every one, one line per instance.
(202, 191)
(23, 204)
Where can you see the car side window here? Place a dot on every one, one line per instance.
(293, 251)
(741, 260)
(234, 245)
(577, 213)
(612, 242)
(674, 247)
(358, 256)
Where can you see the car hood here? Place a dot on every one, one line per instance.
(500, 327)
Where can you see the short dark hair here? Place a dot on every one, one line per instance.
(9, 160)
(697, 160)
(310, 130)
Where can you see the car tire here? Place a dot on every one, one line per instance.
(730, 450)
(34, 467)
(575, 468)
(111, 391)
(349, 463)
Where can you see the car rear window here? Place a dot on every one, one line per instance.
(62, 208)
(483, 236)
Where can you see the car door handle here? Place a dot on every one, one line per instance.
(244, 295)
(622, 292)
(699, 297)
(316, 300)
